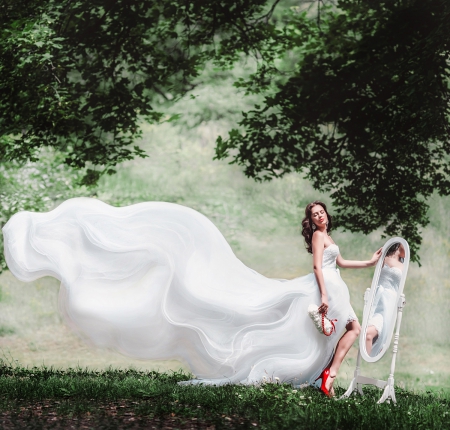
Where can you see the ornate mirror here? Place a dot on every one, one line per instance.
(383, 305)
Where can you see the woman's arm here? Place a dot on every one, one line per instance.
(355, 264)
(317, 248)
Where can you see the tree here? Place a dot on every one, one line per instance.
(356, 95)
(364, 112)
(80, 76)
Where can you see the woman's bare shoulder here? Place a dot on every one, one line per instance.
(318, 237)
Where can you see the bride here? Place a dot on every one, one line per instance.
(159, 281)
(316, 228)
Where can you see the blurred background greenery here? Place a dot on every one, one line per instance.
(260, 220)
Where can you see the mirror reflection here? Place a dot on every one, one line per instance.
(383, 310)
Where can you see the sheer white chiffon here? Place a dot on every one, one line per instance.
(159, 281)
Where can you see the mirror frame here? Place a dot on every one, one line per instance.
(371, 295)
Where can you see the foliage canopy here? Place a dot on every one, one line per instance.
(355, 94)
(80, 76)
(364, 112)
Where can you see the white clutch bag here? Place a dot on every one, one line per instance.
(322, 323)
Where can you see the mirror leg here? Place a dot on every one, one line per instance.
(360, 391)
(389, 392)
(353, 384)
(350, 390)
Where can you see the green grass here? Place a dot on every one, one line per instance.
(118, 395)
(6, 331)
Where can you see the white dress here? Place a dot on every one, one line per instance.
(159, 281)
(383, 310)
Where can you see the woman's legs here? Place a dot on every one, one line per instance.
(344, 344)
(371, 334)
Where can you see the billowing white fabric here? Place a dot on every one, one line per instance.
(159, 281)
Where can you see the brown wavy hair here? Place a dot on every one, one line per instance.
(393, 249)
(307, 222)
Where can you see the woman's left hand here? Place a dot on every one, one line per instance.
(375, 257)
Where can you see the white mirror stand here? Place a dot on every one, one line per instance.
(359, 380)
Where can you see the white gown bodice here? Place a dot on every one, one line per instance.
(330, 254)
(390, 277)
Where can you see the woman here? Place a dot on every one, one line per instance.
(316, 227)
(159, 281)
(383, 310)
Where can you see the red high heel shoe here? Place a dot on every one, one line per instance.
(325, 375)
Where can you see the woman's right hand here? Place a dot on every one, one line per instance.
(323, 308)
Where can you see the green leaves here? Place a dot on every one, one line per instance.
(364, 113)
(356, 95)
(81, 76)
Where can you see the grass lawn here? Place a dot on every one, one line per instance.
(76, 398)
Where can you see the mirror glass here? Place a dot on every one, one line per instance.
(380, 310)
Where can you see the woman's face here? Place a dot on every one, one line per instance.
(319, 216)
(401, 252)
